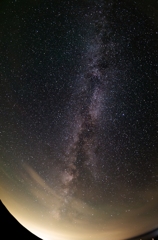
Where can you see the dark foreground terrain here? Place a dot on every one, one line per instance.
(11, 228)
(10, 224)
(152, 235)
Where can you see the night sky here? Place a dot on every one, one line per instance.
(79, 117)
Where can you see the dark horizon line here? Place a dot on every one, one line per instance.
(145, 236)
(149, 235)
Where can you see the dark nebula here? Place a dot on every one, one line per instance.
(79, 117)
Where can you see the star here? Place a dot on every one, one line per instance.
(79, 118)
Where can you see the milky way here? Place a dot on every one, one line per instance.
(80, 118)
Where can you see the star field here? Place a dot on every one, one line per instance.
(79, 118)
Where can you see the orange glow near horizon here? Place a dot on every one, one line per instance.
(42, 217)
